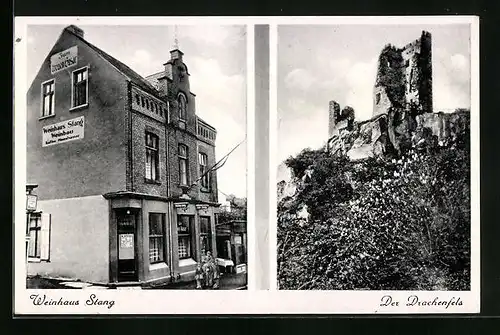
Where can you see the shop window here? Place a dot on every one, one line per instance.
(182, 107)
(156, 238)
(151, 156)
(184, 233)
(205, 235)
(80, 87)
(39, 237)
(183, 164)
(205, 177)
(48, 94)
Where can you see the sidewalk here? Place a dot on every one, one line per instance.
(228, 281)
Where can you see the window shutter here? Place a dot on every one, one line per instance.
(45, 237)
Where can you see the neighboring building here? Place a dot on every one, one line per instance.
(232, 245)
(120, 161)
(231, 234)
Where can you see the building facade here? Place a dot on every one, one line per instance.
(122, 162)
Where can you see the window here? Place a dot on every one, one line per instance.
(143, 103)
(39, 236)
(183, 164)
(182, 107)
(137, 99)
(151, 156)
(80, 87)
(377, 98)
(184, 228)
(205, 177)
(407, 62)
(156, 237)
(48, 89)
(147, 103)
(161, 110)
(205, 235)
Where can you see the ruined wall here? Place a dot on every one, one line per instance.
(404, 78)
(339, 120)
(333, 116)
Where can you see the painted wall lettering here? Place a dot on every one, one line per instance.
(65, 131)
(64, 59)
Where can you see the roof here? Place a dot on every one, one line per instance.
(134, 77)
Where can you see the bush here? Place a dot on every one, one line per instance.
(380, 224)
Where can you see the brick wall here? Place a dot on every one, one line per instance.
(140, 125)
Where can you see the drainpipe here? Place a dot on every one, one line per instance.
(170, 213)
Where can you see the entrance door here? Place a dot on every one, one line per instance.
(127, 265)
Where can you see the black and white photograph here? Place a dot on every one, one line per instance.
(135, 157)
(374, 157)
(246, 165)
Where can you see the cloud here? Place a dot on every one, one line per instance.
(451, 80)
(142, 62)
(221, 100)
(299, 79)
(313, 123)
(211, 34)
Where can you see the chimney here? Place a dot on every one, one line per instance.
(75, 30)
(176, 54)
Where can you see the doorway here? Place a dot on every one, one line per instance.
(127, 246)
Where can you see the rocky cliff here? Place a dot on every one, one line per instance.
(382, 135)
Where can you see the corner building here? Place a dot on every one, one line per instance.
(120, 161)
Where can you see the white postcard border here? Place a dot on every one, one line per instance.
(251, 301)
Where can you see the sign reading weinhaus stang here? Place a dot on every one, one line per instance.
(63, 59)
(61, 132)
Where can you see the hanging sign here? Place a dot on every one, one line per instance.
(31, 202)
(65, 131)
(63, 60)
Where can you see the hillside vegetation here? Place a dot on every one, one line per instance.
(390, 223)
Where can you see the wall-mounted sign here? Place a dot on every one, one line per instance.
(64, 59)
(65, 131)
(31, 202)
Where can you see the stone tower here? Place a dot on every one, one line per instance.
(404, 78)
(333, 116)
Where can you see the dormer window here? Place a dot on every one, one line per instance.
(182, 106)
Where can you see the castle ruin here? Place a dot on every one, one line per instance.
(402, 107)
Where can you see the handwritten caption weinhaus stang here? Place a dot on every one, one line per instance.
(416, 301)
(93, 300)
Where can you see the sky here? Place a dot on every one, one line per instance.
(215, 57)
(319, 63)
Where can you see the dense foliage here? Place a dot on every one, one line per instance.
(238, 210)
(384, 223)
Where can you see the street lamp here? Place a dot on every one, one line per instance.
(31, 202)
